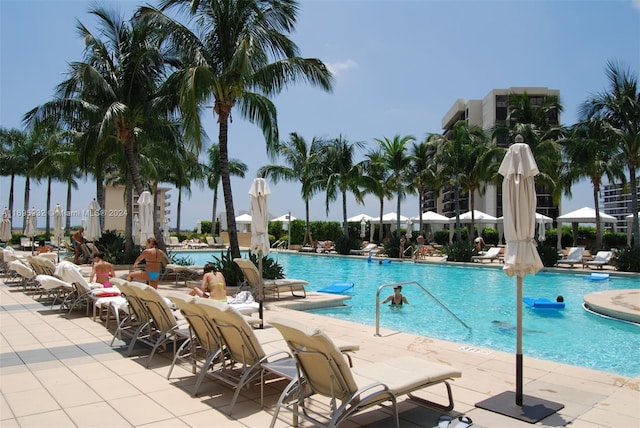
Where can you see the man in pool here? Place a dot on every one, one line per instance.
(397, 299)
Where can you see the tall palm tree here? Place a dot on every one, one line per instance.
(456, 156)
(302, 162)
(213, 171)
(422, 173)
(394, 151)
(591, 151)
(376, 182)
(117, 86)
(341, 174)
(10, 140)
(619, 106)
(239, 56)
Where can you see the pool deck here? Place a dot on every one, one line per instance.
(59, 371)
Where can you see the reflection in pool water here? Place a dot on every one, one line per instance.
(479, 296)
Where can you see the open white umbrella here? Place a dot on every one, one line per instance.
(520, 259)
(259, 192)
(145, 204)
(5, 226)
(93, 232)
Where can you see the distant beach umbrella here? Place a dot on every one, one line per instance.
(31, 228)
(199, 227)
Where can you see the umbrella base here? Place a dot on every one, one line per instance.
(532, 410)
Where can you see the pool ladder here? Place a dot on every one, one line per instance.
(403, 284)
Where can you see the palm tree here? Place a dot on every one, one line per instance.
(302, 162)
(10, 140)
(422, 173)
(591, 153)
(213, 172)
(342, 175)
(395, 157)
(619, 107)
(116, 86)
(376, 182)
(239, 56)
(457, 157)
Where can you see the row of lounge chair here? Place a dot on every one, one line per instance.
(211, 242)
(576, 256)
(217, 341)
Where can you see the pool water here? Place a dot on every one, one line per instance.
(479, 296)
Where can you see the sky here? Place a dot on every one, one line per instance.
(399, 66)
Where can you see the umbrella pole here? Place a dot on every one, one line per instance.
(519, 345)
(261, 291)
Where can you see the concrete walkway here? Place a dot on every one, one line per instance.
(59, 371)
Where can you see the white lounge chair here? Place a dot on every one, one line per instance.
(323, 371)
(274, 286)
(574, 256)
(492, 254)
(366, 250)
(174, 242)
(216, 242)
(602, 258)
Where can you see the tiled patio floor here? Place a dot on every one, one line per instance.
(59, 371)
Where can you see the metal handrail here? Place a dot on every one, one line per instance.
(424, 290)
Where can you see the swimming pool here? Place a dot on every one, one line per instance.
(479, 296)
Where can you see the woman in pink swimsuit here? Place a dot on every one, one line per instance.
(102, 271)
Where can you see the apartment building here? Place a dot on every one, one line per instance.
(615, 200)
(115, 207)
(490, 111)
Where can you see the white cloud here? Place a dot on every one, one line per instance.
(337, 68)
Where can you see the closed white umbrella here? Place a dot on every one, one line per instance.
(259, 192)
(58, 231)
(165, 229)
(520, 259)
(542, 232)
(5, 226)
(409, 227)
(199, 227)
(145, 204)
(93, 232)
(136, 229)
(31, 228)
(363, 228)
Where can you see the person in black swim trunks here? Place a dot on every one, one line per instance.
(396, 299)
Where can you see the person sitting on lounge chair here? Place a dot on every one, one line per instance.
(213, 285)
(154, 259)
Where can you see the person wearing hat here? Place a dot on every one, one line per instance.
(396, 299)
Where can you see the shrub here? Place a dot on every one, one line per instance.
(627, 260)
(548, 254)
(271, 269)
(392, 246)
(441, 236)
(614, 239)
(490, 236)
(344, 245)
(459, 251)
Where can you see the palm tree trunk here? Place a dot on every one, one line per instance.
(596, 190)
(47, 227)
(67, 223)
(344, 215)
(213, 214)
(398, 209)
(307, 231)
(223, 119)
(100, 194)
(472, 199)
(456, 195)
(179, 209)
(634, 205)
(156, 225)
(380, 235)
(27, 191)
(13, 178)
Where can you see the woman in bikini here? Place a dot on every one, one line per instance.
(102, 271)
(397, 298)
(213, 285)
(154, 258)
